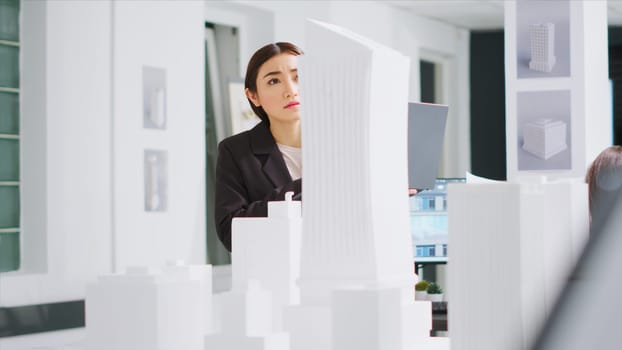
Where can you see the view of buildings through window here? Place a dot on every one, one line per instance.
(428, 222)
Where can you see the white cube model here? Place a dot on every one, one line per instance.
(371, 319)
(542, 47)
(268, 250)
(246, 320)
(512, 249)
(142, 309)
(544, 138)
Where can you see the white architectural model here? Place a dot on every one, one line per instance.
(356, 278)
(351, 256)
(544, 138)
(278, 271)
(265, 266)
(142, 309)
(517, 242)
(542, 47)
(246, 321)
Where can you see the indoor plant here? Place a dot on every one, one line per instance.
(435, 292)
(421, 290)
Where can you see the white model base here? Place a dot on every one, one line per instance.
(246, 321)
(309, 326)
(544, 138)
(142, 309)
(538, 152)
(379, 318)
(364, 319)
(275, 341)
(437, 343)
(542, 66)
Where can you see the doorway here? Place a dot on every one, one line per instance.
(222, 62)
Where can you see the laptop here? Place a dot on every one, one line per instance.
(426, 131)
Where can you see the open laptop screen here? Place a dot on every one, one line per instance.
(426, 131)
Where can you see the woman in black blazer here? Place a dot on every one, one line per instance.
(264, 163)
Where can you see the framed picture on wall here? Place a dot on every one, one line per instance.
(154, 98)
(242, 116)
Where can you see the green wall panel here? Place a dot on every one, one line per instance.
(9, 166)
(9, 251)
(9, 66)
(9, 206)
(9, 20)
(9, 113)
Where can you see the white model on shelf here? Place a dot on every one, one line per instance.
(542, 47)
(545, 138)
(520, 241)
(142, 309)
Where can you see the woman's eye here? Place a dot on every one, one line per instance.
(273, 81)
(296, 77)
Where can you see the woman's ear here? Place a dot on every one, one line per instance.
(252, 96)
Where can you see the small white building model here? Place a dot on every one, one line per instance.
(143, 309)
(265, 264)
(246, 321)
(513, 247)
(544, 138)
(267, 250)
(542, 47)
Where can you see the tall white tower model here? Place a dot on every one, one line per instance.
(355, 227)
(542, 47)
(356, 278)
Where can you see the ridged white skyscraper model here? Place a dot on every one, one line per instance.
(542, 47)
(356, 278)
(356, 213)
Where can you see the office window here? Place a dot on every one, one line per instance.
(9, 136)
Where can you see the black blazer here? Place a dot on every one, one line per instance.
(250, 171)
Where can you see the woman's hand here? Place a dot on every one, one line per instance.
(412, 192)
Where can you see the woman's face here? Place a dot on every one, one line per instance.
(277, 89)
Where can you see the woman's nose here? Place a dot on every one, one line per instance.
(291, 89)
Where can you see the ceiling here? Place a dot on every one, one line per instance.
(479, 14)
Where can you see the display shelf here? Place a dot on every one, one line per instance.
(543, 84)
(547, 77)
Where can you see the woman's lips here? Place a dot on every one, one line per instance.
(292, 104)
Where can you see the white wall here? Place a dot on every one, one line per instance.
(167, 35)
(405, 32)
(66, 152)
(83, 143)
